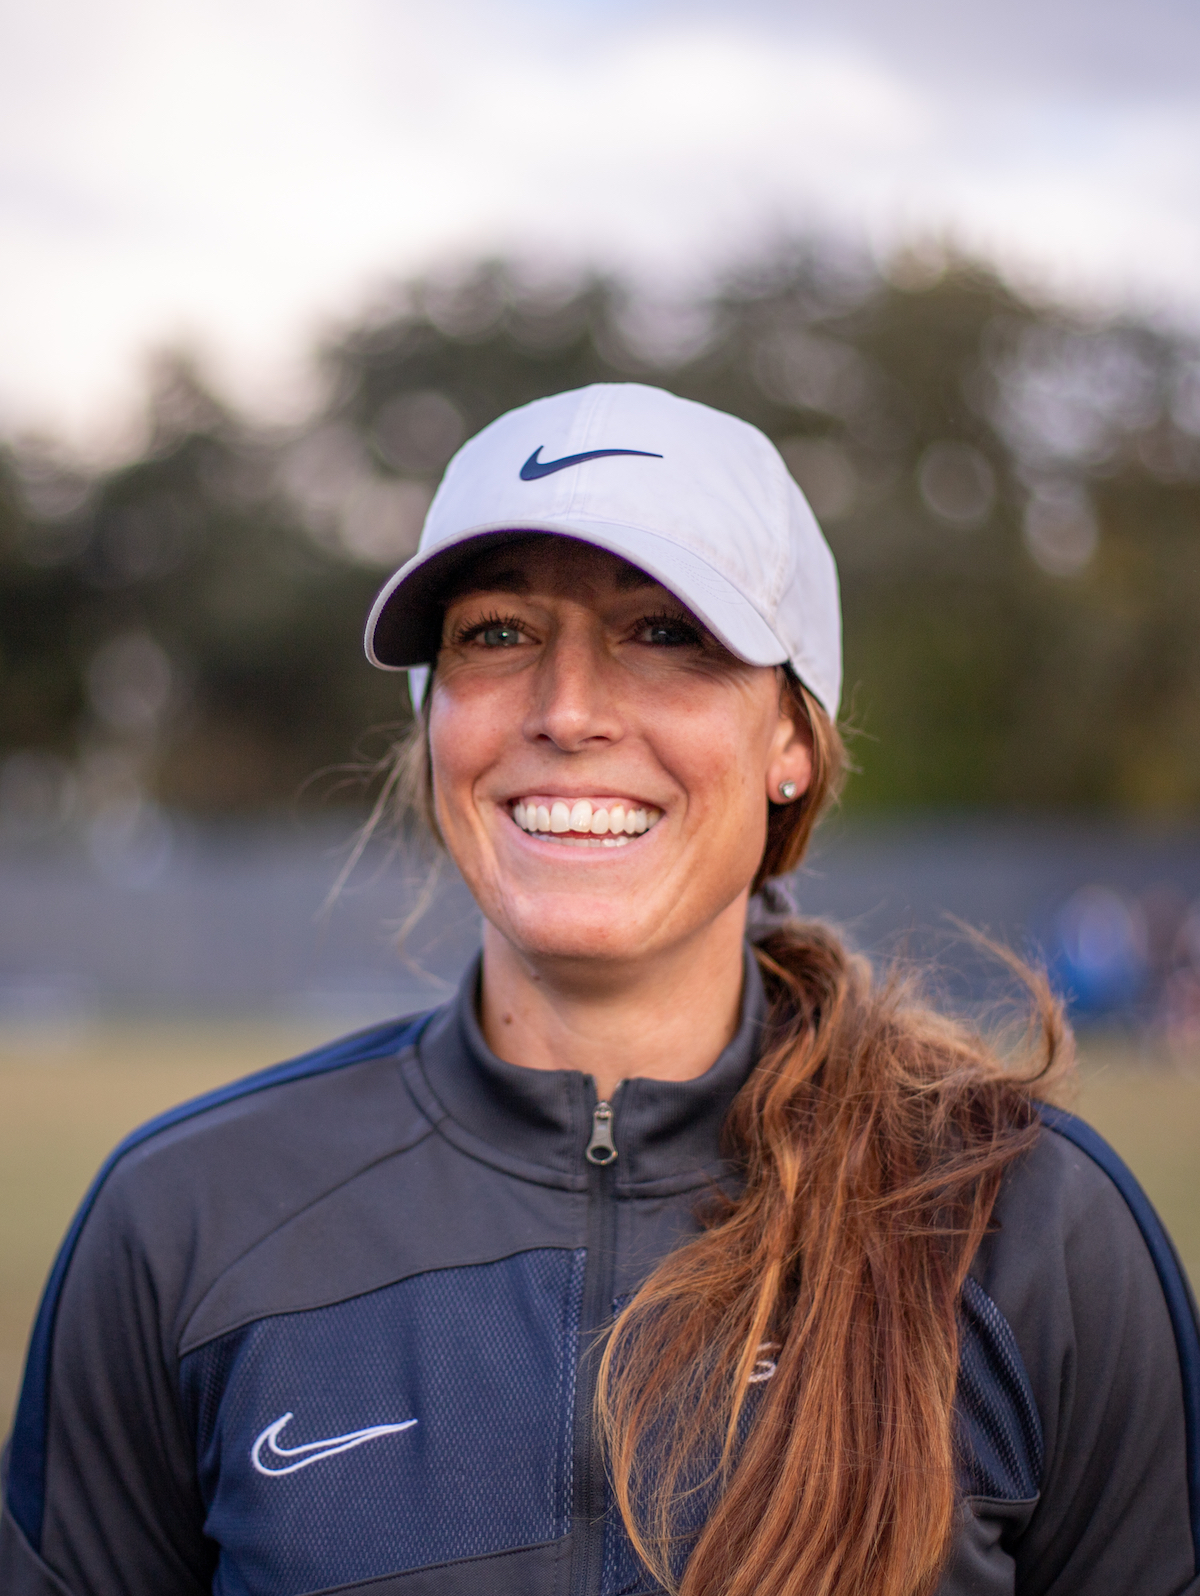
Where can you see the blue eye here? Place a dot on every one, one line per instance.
(491, 631)
(500, 637)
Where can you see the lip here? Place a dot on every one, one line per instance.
(577, 850)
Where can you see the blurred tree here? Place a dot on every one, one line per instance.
(1013, 495)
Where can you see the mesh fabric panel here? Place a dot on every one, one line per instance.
(482, 1357)
(1000, 1432)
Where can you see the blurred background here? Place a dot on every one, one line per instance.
(263, 271)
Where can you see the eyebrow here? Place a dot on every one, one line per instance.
(629, 579)
(497, 582)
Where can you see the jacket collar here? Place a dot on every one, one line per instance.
(665, 1131)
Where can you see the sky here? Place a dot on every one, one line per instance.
(239, 176)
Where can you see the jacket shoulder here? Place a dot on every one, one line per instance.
(237, 1161)
(1083, 1270)
(225, 1167)
(318, 1094)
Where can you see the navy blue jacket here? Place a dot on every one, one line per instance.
(332, 1328)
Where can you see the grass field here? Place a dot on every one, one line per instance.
(65, 1099)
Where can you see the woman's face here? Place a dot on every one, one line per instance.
(573, 691)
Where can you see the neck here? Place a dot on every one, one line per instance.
(667, 1016)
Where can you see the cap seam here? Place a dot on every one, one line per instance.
(787, 549)
(580, 436)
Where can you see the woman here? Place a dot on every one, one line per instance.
(656, 1258)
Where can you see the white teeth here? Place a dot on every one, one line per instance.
(581, 816)
(584, 820)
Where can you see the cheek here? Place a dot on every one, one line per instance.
(720, 761)
(464, 739)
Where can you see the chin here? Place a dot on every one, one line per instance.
(604, 937)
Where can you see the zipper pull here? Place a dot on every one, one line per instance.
(601, 1150)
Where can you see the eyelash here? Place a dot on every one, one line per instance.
(672, 619)
(469, 631)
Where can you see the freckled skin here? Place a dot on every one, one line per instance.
(563, 670)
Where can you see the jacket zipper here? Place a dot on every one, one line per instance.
(601, 1149)
(589, 1478)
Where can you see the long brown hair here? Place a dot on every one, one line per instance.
(793, 1368)
(777, 1400)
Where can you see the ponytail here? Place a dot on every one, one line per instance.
(777, 1400)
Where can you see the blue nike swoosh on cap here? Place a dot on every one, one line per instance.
(535, 468)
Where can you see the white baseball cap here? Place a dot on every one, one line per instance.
(697, 499)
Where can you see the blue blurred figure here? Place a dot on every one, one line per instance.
(1099, 953)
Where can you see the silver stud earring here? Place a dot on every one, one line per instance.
(787, 790)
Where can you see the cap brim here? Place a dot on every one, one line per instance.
(403, 628)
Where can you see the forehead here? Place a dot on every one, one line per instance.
(547, 563)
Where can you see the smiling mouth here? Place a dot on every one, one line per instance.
(595, 823)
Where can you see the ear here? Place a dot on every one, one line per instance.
(791, 755)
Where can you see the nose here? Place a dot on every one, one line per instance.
(573, 705)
